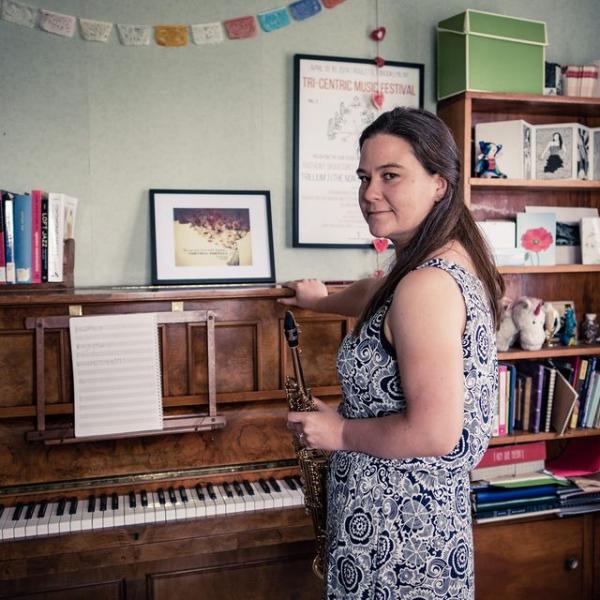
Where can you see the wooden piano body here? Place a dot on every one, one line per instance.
(263, 553)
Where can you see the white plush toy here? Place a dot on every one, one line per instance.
(525, 319)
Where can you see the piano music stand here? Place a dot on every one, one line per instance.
(171, 424)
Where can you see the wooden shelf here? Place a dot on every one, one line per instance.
(535, 184)
(550, 269)
(552, 351)
(520, 437)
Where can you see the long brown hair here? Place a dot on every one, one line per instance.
(449, 220)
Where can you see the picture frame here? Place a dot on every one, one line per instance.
(335, 98)
(211, 237)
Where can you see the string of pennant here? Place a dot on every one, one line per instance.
(164, 35)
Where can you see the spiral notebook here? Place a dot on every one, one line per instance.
(116, 374)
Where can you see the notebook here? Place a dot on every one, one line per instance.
(116, 374)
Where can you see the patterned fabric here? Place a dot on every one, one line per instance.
(402, 528)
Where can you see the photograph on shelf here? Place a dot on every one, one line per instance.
(568, 224)
(566, 332)
(590, 240)
(536, 234)
(334, 100)
(515, 142)
(211, 237)
(562, 151)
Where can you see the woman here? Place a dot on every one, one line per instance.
(553, 154)
(418, 375)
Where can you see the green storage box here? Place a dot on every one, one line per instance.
(487, 52)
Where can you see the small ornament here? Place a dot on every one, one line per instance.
(568, 331)
(379, 62)
(378, 34)
(377, 100)
(380, 245)
(590, 329)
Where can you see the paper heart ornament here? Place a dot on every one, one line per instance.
(381, 244)
(377, 99)
(378, 34)
(379, 62)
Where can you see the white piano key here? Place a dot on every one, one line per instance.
(31, 525)
(296, 494)
(77, 518)
(288, 499)
(64, 521)
(217, 502)
(262, 500)
(54, 519)
(139, 513)
(128, 510)
(119, 513)
(201, 502)
(169, 508)
(191, 511)
(87, 517)
(277, 496)
(19, 525)
(148, 511)
(228, 501)
(159, 509)
(7, 524)
(42, 521)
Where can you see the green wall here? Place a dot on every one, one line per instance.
(105, 122)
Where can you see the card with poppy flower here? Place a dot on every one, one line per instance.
(536, 235)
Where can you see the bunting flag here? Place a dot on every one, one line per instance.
(238, 28)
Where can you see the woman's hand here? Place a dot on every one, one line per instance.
(323, 428)
(308, 293)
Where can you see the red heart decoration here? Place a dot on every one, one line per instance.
(379, 61)
(381, 244)
(378, 34)
(377, 99)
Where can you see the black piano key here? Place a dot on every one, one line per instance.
(161, 496)
(73, 502)
(238, 488)
(172, 496)
(29, 512)
(144, 497)
(290, 482)
(264, 485)
(114, 501)
(92, 503)
(211, 491)
(248, 487)
(1, 509)
(103, 502)
(183, 494)
(42, 509)
(18, 510)
(132, 502)
(227, 489)
(60, 507)
(274, 484)
(199, 492)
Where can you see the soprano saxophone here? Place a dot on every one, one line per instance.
(313, 462)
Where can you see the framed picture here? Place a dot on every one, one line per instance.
(334, 100)
(211, 237)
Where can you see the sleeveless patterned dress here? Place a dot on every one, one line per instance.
(401, 529)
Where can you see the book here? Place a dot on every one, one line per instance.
(23, 244)
(526, 407)
(565, 399)
(593, 400)
(536, 235)
(44, 238)
(536, 371)
(56, 236)
(543, 508)
(36, 235)
(70, 212)
(504, 455)
(2, 249)
(9, 236)
(584, 392)
(550, 379)
(504, 472)
(502, 376)
(495, 494)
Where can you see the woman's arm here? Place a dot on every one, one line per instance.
(426, 321)
(313, 294)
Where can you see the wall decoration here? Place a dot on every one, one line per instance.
(237, 28)
(211, 237)
(333, 103)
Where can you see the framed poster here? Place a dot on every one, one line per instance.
(211, 237)
(334, 100)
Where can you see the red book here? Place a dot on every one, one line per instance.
(36, 236)
(508, 455)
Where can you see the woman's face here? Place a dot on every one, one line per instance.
(396, 193)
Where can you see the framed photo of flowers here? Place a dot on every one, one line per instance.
(211, 237)
(536, 234)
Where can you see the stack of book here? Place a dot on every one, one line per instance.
(581, 497)
(33, 228)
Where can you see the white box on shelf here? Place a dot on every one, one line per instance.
(516, 138)
(562, 151)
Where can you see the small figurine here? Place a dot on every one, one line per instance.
(529, 317)
(589, 329)
(486, 161)
(569, 326)
(551, 324)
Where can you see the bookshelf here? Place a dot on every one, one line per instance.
(560, 552)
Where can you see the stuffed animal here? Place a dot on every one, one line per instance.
(525, 319)
(486, 161)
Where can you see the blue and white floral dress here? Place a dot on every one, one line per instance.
(401, 529)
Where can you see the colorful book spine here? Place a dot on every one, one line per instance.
(496, 494)
(44, 238)
(2, 242)
(504, 455)
(36, 236)
(584, 394)
(23, 244)
(9, 236)
(502, 376)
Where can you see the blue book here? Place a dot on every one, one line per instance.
(516, 511)
(494, 494)
(22, 223)
(584, 396)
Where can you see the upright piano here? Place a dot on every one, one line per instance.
(212, 505)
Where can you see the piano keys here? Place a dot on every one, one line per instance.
(163, 505)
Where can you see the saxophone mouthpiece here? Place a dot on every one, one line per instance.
(290, 329)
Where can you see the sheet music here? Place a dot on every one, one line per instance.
(116, 374)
